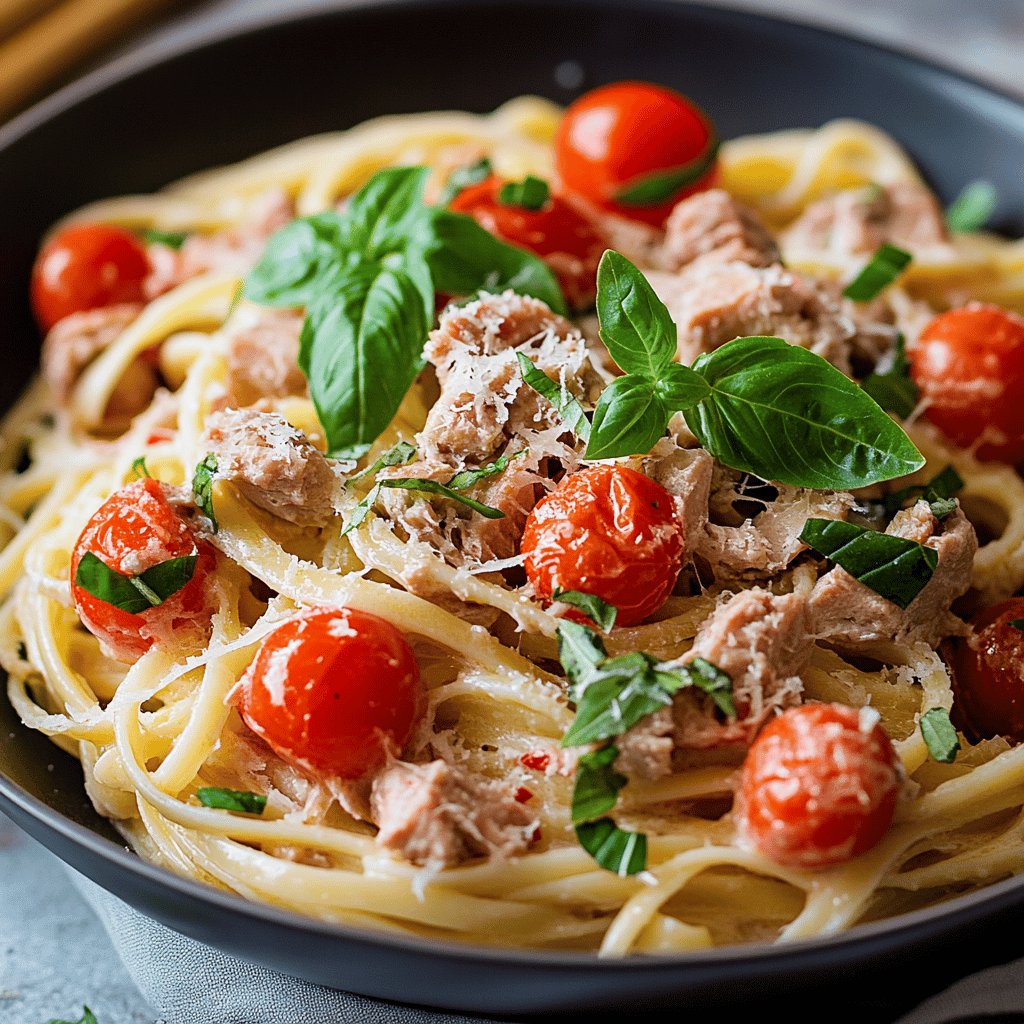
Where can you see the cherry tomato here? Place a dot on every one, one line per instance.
(334, 690)
(610, 532)
(969, 365)
(988, 674)
(622, 136)
(819, 786)
(558, 233)
(87, 266)
(132, 531)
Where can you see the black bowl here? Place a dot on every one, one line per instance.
(147, 120)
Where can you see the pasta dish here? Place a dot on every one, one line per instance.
(543, 528)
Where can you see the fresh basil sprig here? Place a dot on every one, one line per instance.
(973, 208)
(367, 279)
(88, 1017)
(756, 404)
(939, 735)
(894, 567)
(531, 193)
(462, 177)
(894, 389)
(888, 262)
(600, 612)
(202, 487)
(573, 416)
(232, 800)
(134, 594)
(938, 492)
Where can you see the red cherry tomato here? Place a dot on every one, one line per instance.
(132, 531)
(969, 365)
(558, 233)
(610, 532)
(819, 786)
(988, 674)
(87, 266)
(334, 690)
(628, 134)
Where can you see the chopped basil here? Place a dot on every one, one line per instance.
(362, 510)
(597, 785)
(713, 681)
(659, 187)
(1016, 623)
(467, 478)
(894, 389)
(938, 492)
(398, 455)
(973, 208)
(531, 193)
(613, 848)
(888, 262)
(580, 651)
(202, 487)
(462, 177)
(172, 239)
(593, 607)
(894, 567)
(88, 1017)
(367, 279)
(232, 800)
(434, 487)
(568, 407)
(139, 469)
(939, 735)
(134, 594)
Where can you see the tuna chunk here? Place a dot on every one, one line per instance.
(438, 814)
(713, 226)
(263, 356)
(849, 614)
(272, 464)
(858, 222)
(686, 474)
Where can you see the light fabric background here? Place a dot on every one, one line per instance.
(54, 952)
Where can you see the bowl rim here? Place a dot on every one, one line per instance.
(899, 930)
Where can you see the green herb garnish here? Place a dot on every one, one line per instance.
(894, 389)
(232, 800)
(462, 177)
(134, 594)
(938, 492)
(202, 487)
(88, 1017)
(598, 611)
(659, 187)
(172, 239)
(398, 455)
(1017, 623)
(531, 193)
(573, 416)
(939, 735)
(139, 469)
(888, 262)
(973, 208)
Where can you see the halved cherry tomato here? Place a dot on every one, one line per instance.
(133, 530)
(334, 690)
(558, 233)
(607, 531)
(636, 149)
(969, 365)
(819, 786)
(988, 674)
(87, 266)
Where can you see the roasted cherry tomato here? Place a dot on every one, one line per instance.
(636, 149)
(610, 532)
(969, 365)
(988, 673)
(819, 786)
(558, 233)
(133, 530)
(87, 266)
(334, 690)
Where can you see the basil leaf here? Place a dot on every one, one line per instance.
(467, 478)
(139, 468)
(894, 567)
(398, 455)
(362, 510)
(133, 594)
(387, 214)
(629, 419)
(888, 262)
(597, 786)
(1017, 623)
(598, 611)
(939, 735)
(938, 492)
(787, 415)
(88, 1017)
(613, 848)
(371, 317)
(580, 651)
(531, 193)
(568, 407)
(680, 388)
(462, 177)
(635, 324)
(232, 800)
(434, 487)
(709, 678)
(165, 579)
(295, 259)
(973, 208)
(894, 389)
(659, 187)
(202, 487)
(464, 258)
(172, 239)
